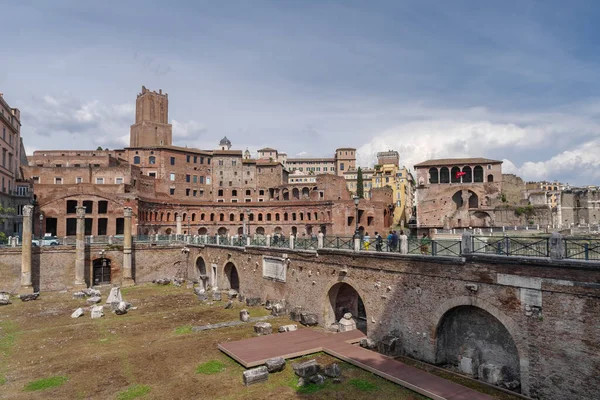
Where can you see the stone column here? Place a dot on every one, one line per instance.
(80, 249)
(320, 240)
(26, 285)
(127, 264)
(178, 231)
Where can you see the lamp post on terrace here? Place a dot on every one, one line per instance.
(356, 232)
(189, 232)
(41, 222)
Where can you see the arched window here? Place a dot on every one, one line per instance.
(162, 216)
(468, 176)
(433, 175)
(490, 178)
(136, 159)
(268, 216)
(168, 217)
(478, 174)
(212, 216)
(202, 216)
(231, 217)
(444, 175)
(455, 175)
(221, 217)
(260, 218)
(285, 216)
(193, 217)
(277, 217)
(152, 160)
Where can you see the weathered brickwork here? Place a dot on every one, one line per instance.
(546, 310)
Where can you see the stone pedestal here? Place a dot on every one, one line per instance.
(347, 323)
(26, 284)
(80, 250)
(127, 259)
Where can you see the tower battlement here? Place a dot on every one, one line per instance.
(151, 126)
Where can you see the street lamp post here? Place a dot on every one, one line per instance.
(246, 229)
(41, 222)
(189, 231)
(356, 232)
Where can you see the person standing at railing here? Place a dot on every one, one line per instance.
(403, 243)
(366, 241)
(390, 240)
(425, 244)
(378, 241)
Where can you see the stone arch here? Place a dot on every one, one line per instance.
(260, 230)
(508, 323)
(101, 271)
(342, 297)
(490, 178)
(202, 231)
(305, 192)
(202, 272)
(222, 231)
(433, 175)
(295, 194)
(444, 175)
(454, 178)
(240, 230)
(232, 278)
(168, 231)
(473, 200)
(468, 176)
(478, 174)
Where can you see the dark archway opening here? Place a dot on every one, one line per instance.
(202, 276)
(233, 278)
(474, 342)
(345, 299)
(101, 271)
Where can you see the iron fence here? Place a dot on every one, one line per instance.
(582, 249)
(338, 242)
(306, 244)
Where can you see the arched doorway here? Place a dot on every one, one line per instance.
(474, 342)
(168, 231)
(233, 279)
(101, 271)
(202, 275)
(343, 298)
(202, 231)
(260, 230)
(222, 231)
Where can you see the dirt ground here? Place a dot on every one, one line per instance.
(152, 346)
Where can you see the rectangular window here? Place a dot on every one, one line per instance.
(172, 160)
(187, 158)
(119, 181)
(230, 183)
(99, 181)
(36, 179)
(234, 200)
(208, 180)
(78, 179)
(58, 181)
(195, 193)
(201, 160)
(152, 174)
(220, 192)
(195, 159)
(172, 191)
(233, 163)
(102, 207)
(201, 180)
(102, 226)
(341, 166)
(172, 176)
(120, 226)
(187, 192)
(188, 178)
(195, 178)
(220, 162)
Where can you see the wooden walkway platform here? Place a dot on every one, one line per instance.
(255, 351)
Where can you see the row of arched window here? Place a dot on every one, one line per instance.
(458, 175)
(155, 216)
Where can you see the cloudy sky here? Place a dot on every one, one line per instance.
(517, 80)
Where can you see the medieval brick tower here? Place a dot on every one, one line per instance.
(151, 126)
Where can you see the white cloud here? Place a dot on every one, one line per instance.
(537, 147)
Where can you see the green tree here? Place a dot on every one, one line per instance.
(360, 190)
(99, 148)
(4, 212)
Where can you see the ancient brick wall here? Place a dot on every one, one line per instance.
(546, 310)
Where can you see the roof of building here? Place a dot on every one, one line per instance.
(449, 161)
(345, 148)
(267, 149)
(225, 142)
(227, 153)
(301, 160)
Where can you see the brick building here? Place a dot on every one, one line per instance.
(15, 192)
(458, 192)
(202, 189)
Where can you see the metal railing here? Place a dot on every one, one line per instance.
(576, 248)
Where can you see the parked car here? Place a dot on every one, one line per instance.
(46, 241)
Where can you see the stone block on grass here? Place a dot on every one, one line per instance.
(256, 375)
(263, 328)
(276, 364)
(307, 369)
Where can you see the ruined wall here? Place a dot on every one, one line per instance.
(471, 309)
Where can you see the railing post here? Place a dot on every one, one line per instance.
(248, 241)
(337, 242)
(507, 245)
(433, 247)
(292, 242)
(268, 240)
(356, 244)
(110, 239)
(218, 239)
(586, 251)
(320, 240)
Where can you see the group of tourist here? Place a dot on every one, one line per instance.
(393, 241)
